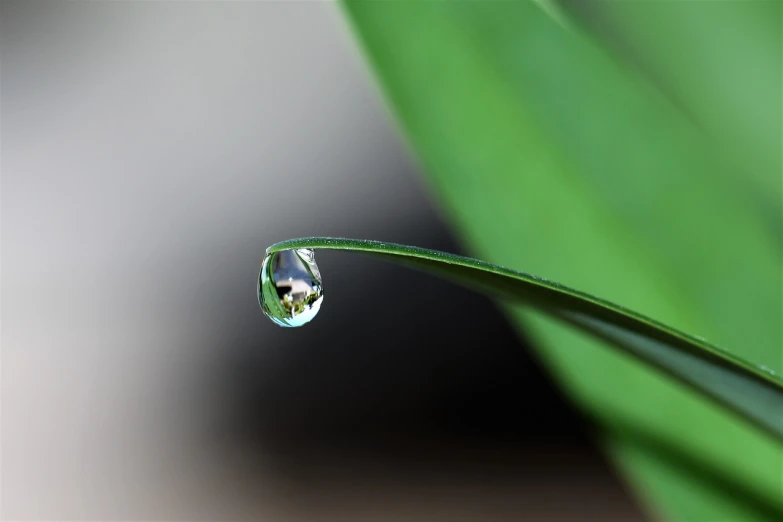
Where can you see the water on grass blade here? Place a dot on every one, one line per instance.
(289, 287)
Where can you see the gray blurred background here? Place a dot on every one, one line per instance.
(150, 152)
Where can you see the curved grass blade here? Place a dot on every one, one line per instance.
(751, 391)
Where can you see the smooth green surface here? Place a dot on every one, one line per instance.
(751, 391)
(548, 153)
(722, 63)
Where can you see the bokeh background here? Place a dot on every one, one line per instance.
(150, 152)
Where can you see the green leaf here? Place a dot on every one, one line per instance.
(722, 63)
(547, 153)
(751, 391)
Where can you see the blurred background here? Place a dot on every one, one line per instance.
(151, 151)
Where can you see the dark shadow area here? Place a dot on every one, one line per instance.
(397, 353)
(401, 375)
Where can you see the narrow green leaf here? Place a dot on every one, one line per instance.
(751, 391)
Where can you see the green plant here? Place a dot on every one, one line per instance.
(548, 149)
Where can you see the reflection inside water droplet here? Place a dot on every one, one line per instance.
(289, 287)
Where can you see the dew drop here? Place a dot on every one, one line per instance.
(289, 287)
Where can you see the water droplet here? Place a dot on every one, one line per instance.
(289, 287)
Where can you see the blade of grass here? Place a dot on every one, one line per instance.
(752, 391)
